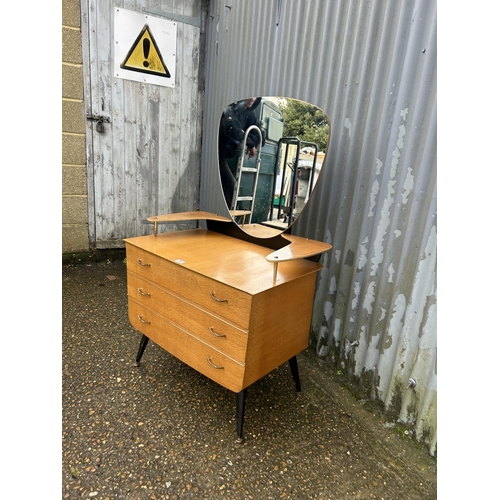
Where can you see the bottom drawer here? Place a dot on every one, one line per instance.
(189, 349)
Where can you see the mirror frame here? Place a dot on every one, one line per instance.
(270, 125)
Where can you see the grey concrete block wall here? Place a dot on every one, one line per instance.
(73, 116)
(71, 13)
(72, 81)
(73, 150)
(74, 173)
(74, 180)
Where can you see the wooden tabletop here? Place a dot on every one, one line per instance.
(232, 261)
(296, 248)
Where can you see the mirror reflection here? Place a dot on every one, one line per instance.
(271, 150)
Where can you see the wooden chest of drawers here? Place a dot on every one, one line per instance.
(214, 302)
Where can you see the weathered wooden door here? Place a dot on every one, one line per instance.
(143, 157)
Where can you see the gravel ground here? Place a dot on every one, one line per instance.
(163, 431)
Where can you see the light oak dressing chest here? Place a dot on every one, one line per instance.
(230, 305)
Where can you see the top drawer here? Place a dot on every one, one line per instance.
(218, 298)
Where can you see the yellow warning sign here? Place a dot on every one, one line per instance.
(144, 56)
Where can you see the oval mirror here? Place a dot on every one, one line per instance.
(271, 150)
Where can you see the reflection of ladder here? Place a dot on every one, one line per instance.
(240, 169)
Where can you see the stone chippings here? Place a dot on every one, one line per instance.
(163, 431)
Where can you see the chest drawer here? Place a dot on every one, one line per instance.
(222, 300)
(192, 351)
(212, 330)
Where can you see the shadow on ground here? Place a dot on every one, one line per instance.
(163, 431)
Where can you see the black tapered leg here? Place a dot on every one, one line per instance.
(294, 367)
(240, 411)
(142, 347)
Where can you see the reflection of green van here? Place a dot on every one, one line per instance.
(271, 123)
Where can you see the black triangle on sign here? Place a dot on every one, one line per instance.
(145, 57)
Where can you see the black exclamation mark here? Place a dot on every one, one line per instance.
(146, 44)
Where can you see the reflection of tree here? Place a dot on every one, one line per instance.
(305, 121)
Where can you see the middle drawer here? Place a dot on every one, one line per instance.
(220, 334)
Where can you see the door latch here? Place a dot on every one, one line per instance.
(100, 121)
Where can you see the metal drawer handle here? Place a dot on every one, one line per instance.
(145, 321)
(214, 366)
(145, 264)
(216, 299)
(216, 334)
(144, 294)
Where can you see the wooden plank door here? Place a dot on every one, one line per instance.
(144, 159)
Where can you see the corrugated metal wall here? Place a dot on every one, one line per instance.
(371, 66)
